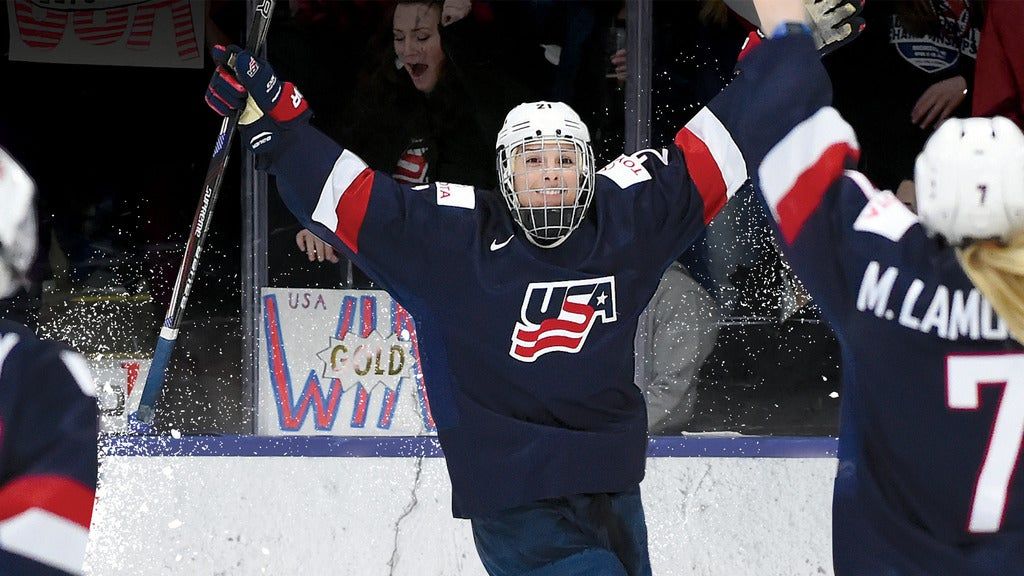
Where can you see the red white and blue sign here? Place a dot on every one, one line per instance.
(339, 362)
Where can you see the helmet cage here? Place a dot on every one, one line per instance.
(540, 194)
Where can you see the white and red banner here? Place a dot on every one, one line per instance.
(152, 33)
(339, 362)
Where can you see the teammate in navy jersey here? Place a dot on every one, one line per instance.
(48, 418)
(929, 311)
(526, 302)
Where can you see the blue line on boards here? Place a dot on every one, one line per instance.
(411, 446)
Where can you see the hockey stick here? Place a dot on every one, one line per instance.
(141, 420)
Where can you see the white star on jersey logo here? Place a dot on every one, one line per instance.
(601, 298)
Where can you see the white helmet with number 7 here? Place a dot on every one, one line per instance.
(545, 170)
(17, 225)
(969, 180)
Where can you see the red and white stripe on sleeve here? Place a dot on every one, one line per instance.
(46, 518)
(714, 161)
(344, 199)
(796, 172)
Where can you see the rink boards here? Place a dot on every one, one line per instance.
(381, 506)
(346, 478)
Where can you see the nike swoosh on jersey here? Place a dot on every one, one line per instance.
(495, 245)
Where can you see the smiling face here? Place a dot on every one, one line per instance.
(546, 174)
(418, 43)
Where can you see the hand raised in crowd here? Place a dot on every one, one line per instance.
(938, 102)
(454, 10)
(619, 61)
(315, 248)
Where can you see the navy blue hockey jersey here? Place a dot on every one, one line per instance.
(48, 428)
(527, 353)
(929, 478)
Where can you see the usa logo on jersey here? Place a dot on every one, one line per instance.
(558, 316)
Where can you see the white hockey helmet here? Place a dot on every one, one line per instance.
(528, 130)
(969, 180)
(17, 224)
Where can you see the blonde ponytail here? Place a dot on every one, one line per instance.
(997, 271)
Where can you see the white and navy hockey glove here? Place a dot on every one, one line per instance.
(269, 105)
(834, 23)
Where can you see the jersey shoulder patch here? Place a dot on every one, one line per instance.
(458, 195)
(626, 171)
(884, 214)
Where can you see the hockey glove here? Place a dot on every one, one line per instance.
(834, 23)
(244, 82)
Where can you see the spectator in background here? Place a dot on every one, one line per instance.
(428, 109)
(681, 327)
(999, 76)
(909, 71)
(431, 105)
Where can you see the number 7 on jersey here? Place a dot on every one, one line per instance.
(965, 375)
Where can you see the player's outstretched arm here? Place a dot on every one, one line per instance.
(802, 171)
(774, 124)
(362, 213)
(274, 125)
(781, 83)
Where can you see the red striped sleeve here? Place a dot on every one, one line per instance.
(351, 209)
(796, 173)
(805, 195)
(58, 495)
(713, 160)
(704, 172)
(345, 198)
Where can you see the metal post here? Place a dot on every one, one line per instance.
(639, 26)
(254, 268)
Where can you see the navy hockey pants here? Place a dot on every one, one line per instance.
(580, 535)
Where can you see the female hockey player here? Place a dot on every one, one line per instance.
(526, 308)
(48, 417)
(929, 311)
